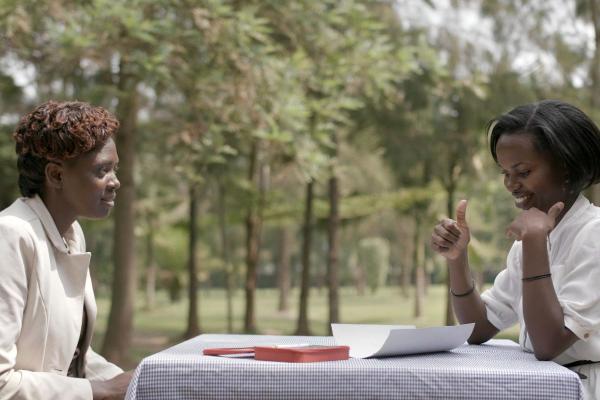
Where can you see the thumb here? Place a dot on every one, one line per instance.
(555, 210)
(461, 214)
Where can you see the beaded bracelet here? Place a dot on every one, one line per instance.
(468, 292)
(536, 277)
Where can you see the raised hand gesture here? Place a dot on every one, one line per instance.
(534, 221)
(450, 238)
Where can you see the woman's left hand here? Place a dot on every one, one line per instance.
(534, 221)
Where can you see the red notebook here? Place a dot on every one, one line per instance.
(286, 354)
(302, 354)
(228, 351)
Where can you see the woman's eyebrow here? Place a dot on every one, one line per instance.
(106, 161)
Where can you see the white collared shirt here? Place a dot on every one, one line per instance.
(574, 256)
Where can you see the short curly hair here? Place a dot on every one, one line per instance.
(58, 131)
(563, 130)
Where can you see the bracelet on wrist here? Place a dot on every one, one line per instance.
(536, 277)
(468, 292)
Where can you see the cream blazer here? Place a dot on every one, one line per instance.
(44, 284)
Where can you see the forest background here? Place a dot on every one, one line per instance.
(290, 158)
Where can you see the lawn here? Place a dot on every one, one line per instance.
(164, 325)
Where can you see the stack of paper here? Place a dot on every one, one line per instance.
(395, 340)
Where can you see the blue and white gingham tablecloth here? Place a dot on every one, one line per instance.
(490, 371)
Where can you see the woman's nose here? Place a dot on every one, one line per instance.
(114, 182)
(511, 183)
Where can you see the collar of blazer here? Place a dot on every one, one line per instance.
(64, 245)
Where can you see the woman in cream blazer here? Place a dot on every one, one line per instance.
(47, 306)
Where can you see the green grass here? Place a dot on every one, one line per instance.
(164, 325)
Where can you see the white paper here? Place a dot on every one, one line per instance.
(395, 340)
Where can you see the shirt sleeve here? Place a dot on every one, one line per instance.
(578, 292)
(16, 254)
(98, 368)
(500, 298)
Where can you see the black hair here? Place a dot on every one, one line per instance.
(563, 130)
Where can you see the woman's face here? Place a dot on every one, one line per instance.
(90, 182)
(530, 175)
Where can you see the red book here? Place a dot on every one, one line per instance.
(228, 351)
(285, 354)
(302, 354)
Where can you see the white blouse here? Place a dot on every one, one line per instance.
(574, 255)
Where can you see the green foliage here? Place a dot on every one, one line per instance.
(171, 249)
(374, 258)
(347, 88)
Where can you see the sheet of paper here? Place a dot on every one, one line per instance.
(396, 340)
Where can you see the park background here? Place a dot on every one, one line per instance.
(282, 163)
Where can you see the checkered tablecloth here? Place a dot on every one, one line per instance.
(491, 371)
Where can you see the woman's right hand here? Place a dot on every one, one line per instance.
(450, 238)
(112, 389)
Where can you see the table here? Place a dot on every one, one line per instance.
(495, 370)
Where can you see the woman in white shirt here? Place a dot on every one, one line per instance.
(67, 161)
(548, 153)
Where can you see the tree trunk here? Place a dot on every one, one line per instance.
(450, 320)
(150, 267)
(303, 328)
(117, 341)
(427, 272)
(334, 246)
(419, 268)
(479, 280)
(193, 326)
(225, 255)
(283, 269)
(405, 280)
(253, 228)
(360, 279)
(406, 257)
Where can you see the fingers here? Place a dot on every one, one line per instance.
(534, 221)
(555, 210)
(440, 245)
(512, 234)
(448, 230)
(461, 214)
(449, 234)
(445, 235)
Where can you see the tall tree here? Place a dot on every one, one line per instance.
(333, 240)
(303, 327)
(253, 233)
(193, 325)
(120, 321)
(284, 269)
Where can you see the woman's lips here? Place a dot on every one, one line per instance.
(109, 201)
(521, 200)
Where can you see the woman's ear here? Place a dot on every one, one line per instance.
(54, 174)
